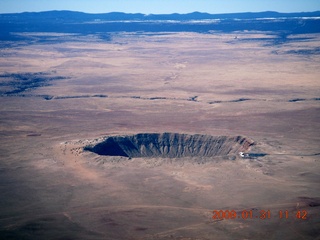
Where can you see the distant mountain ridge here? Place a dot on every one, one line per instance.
(280, 24)
(113, 16)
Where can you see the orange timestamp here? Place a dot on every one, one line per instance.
(258, 214)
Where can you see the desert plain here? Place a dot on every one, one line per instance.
(217, 84)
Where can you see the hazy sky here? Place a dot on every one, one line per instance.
(160, 6)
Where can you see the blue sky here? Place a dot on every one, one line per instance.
(160, 6)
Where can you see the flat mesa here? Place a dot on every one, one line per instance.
(155, 127)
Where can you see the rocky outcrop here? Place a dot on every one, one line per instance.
(170, 145)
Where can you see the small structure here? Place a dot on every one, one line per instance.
(244, 155)
(251, 155)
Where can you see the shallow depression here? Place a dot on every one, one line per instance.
(170, 145)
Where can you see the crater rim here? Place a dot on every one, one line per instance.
(169, 145)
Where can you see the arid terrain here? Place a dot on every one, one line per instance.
(59, 96)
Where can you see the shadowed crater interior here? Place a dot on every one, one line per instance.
(170, 145)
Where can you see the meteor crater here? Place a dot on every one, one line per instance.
(170, 145)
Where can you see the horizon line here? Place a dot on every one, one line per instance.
(93, 13)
